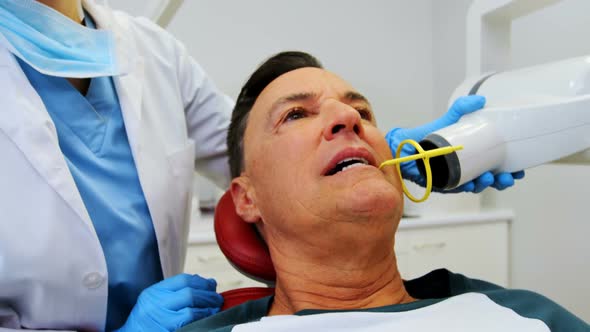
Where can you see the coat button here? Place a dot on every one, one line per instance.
(93, 280)
(49, 125)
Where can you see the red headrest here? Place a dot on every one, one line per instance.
(240, 242)
(234, 297)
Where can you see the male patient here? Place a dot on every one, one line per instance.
(304, 153)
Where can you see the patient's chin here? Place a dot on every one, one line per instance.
(373, 197)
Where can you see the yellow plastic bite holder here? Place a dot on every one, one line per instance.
(425, 156)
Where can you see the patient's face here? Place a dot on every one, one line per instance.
(312, 151)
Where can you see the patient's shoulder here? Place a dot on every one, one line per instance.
(536, 306)
(524, 302)
(443, 283)
(249, 311)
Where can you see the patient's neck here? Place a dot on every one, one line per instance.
(68, 8)
(347, 277)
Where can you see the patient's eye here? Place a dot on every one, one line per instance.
(365, 114)
(295, 114)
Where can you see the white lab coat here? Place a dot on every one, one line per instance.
(52, 269)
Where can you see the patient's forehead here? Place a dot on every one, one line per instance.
(304, 80)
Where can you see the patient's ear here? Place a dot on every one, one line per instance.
(244, 198)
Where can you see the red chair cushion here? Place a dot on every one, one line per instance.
(234, 297)
(240, 242)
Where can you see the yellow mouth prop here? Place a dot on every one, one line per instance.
(425, 156)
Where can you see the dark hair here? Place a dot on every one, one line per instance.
(267, 72)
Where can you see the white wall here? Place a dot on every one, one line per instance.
(550, 249)
(448, 50)
(382, 47)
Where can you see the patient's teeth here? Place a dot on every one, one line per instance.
(348, 163)
(351, 166)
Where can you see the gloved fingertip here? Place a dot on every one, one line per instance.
(485, 180)
(468, 187)
(212, 282)
(217, 299)
(501, 184)
(198, 282)
(505, 180)
(478, 100)
(199, 313)
(518, 175)
(390, 134)
(467, 104)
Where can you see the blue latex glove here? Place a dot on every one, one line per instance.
(461, 106)
(173, 303)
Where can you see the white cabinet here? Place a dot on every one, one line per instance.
(478, 250)
(476, 245)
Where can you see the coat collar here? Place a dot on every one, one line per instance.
(129, 85)
(25, 121)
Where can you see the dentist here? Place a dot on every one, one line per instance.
(103, 120)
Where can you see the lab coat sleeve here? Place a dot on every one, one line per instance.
(207, 109)
(208, 114)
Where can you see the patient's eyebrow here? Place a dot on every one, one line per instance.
(294, 97)
(355, 96)
(298, 96)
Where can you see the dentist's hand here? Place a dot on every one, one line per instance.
(461, 106)
(173, 303)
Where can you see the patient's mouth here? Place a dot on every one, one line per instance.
(349, 158)
(347, 164)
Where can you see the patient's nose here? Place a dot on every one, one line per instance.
(342, 119)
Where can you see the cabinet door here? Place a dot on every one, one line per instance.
(475, 250)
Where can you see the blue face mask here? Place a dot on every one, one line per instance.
(53, 44)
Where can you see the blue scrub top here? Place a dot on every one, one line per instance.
(94, 142)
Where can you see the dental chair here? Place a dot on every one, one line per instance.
(246, 251)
